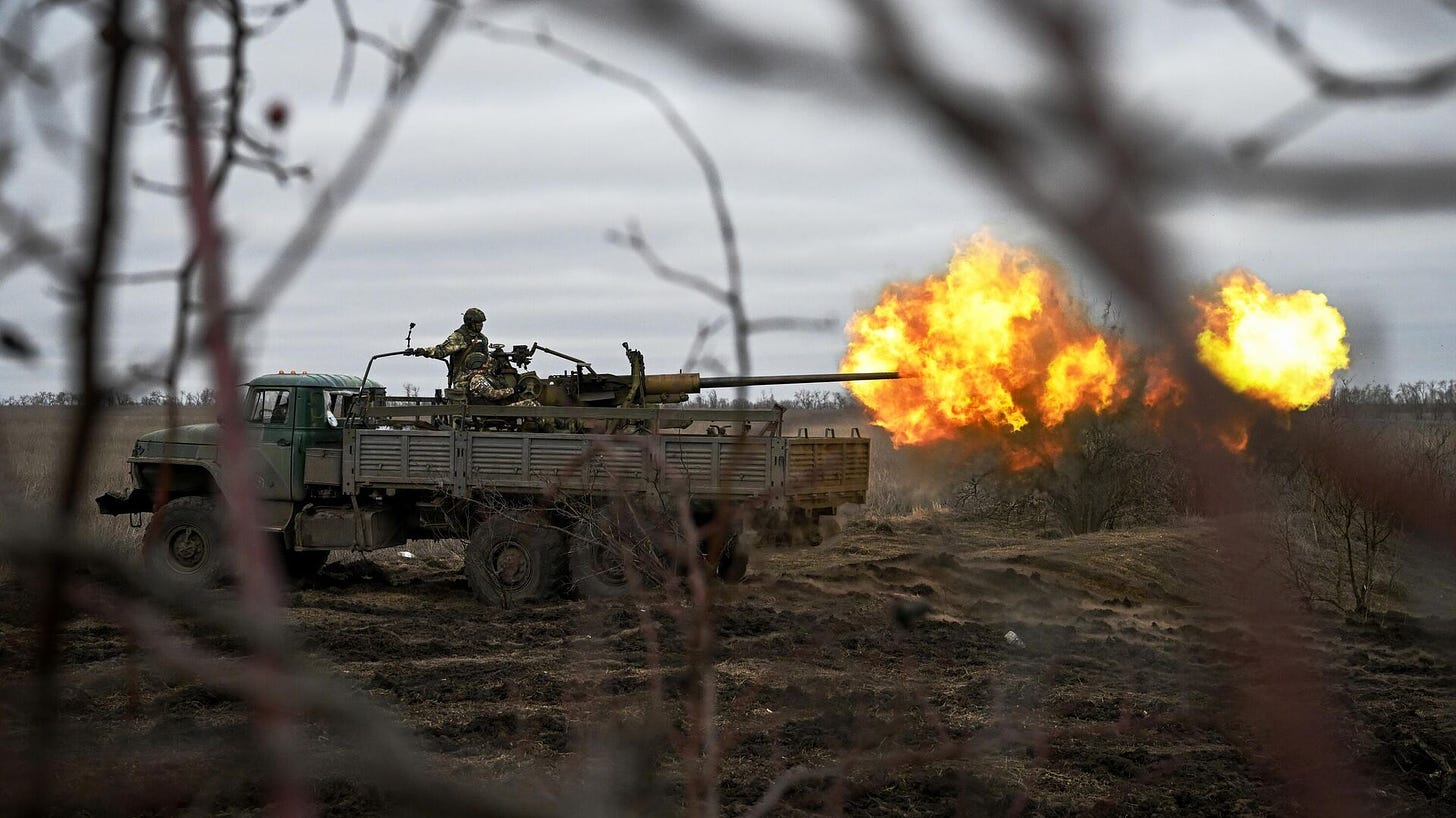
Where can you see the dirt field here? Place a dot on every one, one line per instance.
(1141, 680)
(1121, 697)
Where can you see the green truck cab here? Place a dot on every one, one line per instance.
(285, 415)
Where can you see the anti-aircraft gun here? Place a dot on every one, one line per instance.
(585, 387)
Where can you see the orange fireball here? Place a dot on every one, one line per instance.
(1282, 349)
(994, 342)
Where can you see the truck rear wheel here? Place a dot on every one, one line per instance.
(184, 540)
(509, 561)
(605, 545)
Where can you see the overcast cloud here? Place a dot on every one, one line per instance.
(509, 168)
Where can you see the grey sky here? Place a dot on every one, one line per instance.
(509, 167)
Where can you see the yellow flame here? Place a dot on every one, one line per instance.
(1279, 348)
(1084, 374)
(994, 342)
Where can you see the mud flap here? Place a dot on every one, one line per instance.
(274, 515)
(116, 503)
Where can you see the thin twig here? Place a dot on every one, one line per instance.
(336, 195)
(88, 337)
(257, 569)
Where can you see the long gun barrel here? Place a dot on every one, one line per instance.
(688, 383)
(777, 380)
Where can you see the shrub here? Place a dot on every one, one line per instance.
(1114, 475)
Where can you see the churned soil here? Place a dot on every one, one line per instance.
(940, 667)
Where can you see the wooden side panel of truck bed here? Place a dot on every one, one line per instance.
(823, 472)
(524, 462)
(809, 472)
(611, 463)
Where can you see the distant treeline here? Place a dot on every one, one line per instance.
(802, 399)
(1419, 400)
(1420, 393)
(1431, 396)
(156, 397)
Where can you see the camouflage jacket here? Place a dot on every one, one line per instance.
(453, 348)
(481, 387)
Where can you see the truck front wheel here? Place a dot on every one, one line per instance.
(184, 540)
(509, 561)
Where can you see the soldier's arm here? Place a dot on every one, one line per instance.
(447, 347)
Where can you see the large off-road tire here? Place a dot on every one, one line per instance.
(184, 540)
(607, 543)
(507, 562)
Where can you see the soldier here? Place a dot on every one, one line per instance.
(453, 349)
(479, 383)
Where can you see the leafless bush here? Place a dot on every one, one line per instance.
(1113, 476)
(1115, 473)
(1338, 531)
(991, 497)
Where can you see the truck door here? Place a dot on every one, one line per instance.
(270, 413)
(316, 414)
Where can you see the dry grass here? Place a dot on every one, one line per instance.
(33, 444)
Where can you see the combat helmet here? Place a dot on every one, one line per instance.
(474, 361)
(474, 314)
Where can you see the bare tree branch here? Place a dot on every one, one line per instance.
(401, 58)
(1419, 82)
(1422, 83)
(257, 569)
(633, 238)
(31, 240)
(339, 191)
(88, 330)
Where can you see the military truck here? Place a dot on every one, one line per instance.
(584, 483)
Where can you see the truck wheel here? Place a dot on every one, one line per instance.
(184, 540)
(601, 544)
(508, 561)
